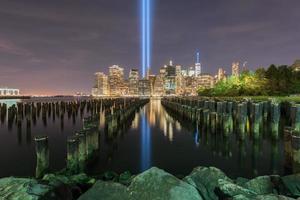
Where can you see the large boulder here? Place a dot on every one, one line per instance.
(291, 185)
(261, 197)
(22, 188)
(106, 191)
(241, 181)
(227, 189)
(158, 184)
(263, 184)
(205, 179)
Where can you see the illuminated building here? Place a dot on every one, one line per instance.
(170, 79)
(116, 79)
(158, 87)
(197, 65)
(179, 81)
(184, 72)
(235, 69)
(191, 71)
(190, 86)
(205, 80)
(144, 87)
(101, 85)
(133, 82)
(151, 79)
(296, 66)
(124, 87)
(221, 74)
(9, 92)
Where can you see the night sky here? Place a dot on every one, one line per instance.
(55, 46)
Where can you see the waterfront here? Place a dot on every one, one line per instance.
(155, 137)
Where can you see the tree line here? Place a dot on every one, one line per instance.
(273, 81)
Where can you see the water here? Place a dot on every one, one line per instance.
(155, 137)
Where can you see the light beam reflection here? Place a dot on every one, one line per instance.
(145, 143)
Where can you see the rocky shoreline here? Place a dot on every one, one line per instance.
(207, 183)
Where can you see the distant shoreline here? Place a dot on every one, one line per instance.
(15, 97)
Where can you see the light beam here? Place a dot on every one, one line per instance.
(146, 35)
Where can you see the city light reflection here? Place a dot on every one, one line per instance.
(145, 143)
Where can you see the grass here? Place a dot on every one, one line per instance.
(295, 99)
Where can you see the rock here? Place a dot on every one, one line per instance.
(227, 189)
(205, 179)
(262, 185)
(125, 178)
(22, 188)
(158, 184)
(241, 181)
(106, 191)
(272, 197)
(82, 179)
(109, 176)
(291, 185)
(262, 197)
(56, 180)
(241, 197)
(59, 179)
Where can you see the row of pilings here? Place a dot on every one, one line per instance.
(83, 147)
(30, 112)
(244, 117)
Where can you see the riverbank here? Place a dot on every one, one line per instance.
(290, 99)
(207, 183)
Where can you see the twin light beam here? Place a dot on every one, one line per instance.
(146, 35)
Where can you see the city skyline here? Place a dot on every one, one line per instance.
(171, 80)
(45, 51)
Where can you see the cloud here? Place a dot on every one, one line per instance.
(7, 46)
(240, 28)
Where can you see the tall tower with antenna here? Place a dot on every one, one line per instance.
(197, 64)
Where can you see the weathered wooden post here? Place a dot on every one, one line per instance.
(242, 119)
(274, 156)
(288, 148)
(266, 109)
(213, 121)
(296, 151)
(257, 119)
(227, 124)
(219, 115)
(205, 118)
(73, 155)
(275, 118)
(42, 156)
(81, 150)
(296, 124)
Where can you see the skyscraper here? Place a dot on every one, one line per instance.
(101, 85)
(144, 87)
(296, 66)
(116, 79)
(198, 65)
(170, 79)
(134, 82)
(221, 74)
(235, 69)
(179, 81)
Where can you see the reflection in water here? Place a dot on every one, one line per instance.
(145, 143)
(197, 137)
(157, 137)
(135, 123)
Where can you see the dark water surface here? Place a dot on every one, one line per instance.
(155, 138)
